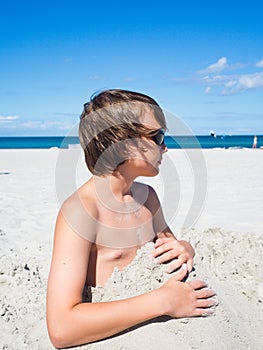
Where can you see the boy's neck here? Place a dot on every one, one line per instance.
(115, 185)
(115, 192)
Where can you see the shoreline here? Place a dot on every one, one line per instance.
(172, 141)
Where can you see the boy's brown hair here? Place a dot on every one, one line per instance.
(110, 117)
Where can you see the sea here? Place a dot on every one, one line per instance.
(173, 142)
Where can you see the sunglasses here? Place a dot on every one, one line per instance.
(158, 138)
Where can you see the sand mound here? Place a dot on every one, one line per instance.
(231, 265)
(229, 262)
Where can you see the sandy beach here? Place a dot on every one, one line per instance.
(213, 198)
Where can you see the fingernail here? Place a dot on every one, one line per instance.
(209, 312)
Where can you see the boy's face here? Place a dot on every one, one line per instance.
(146, 159)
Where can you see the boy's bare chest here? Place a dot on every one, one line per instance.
(103, 260)
(118, 238)
(121, 229)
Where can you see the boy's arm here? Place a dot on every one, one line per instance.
(71, 322)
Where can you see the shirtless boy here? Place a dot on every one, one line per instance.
(107, 219)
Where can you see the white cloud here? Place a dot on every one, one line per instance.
(235, 66)
(35, 127)
(243, 82)
(234, 83)
(8, 118)
(217, 67)
(231, 83)
(216, 80)
(259, 64)
(250, 81)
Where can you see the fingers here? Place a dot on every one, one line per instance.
(191, 298)
(160, 241)
(168, 256)
(177, 263)
(168, 249)
(197, 284)
(202, 312)
(205, 303)
(205, 307)
(189, 264)
(204, 293)
(165, 245)
(181, 274)
(200, 289)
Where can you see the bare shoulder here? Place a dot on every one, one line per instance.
(74, 233)
(80, 212)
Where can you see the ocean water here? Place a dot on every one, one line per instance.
(220, 141)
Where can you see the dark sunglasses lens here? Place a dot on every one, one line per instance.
(159, 138)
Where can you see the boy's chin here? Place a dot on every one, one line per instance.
(151, 172)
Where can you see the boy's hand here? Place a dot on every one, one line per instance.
(186, 299)
(169, 248)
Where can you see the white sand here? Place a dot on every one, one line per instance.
(227, 236)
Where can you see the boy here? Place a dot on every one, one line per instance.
(106, 220)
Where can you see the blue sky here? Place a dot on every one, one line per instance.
(202, 61)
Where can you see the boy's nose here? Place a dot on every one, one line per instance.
(164, 148)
